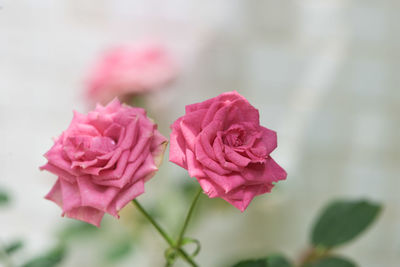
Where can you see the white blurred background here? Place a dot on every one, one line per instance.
(324, 75)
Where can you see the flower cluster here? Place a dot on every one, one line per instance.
(104, 158)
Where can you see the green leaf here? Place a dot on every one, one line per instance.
(13, 247)
(333, 262)
(252, 263)
(274, 260)
(342, 221)
(119, 251)
(49, 259)
(277, 260)
(4, 198)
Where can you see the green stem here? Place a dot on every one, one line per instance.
(154, 223)
(312, 255)
(169, 240)
(187, 219)
(187, 258)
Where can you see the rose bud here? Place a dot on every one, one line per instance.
(221, 143)
(103, 160)
(129, 70)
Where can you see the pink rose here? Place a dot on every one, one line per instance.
(221, 143)
(129, 70)
(103, 160)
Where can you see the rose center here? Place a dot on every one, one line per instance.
(234, 137)
(88, 147)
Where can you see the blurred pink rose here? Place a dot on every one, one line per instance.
(128, 70)
(103, 160)
(221, 143)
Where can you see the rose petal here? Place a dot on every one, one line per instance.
(78, 118)
(55, 194)
(207, 162)
(144, 139)
(269, 140)
(242, 111)
(128, 174)
(114, 132)
(127, 113)
(209, 117)
(235, 157)
(82, 165)
(267, 172)
(115, 155)
(209, 188)
(207, 136)
(125, 196)
(228, 96)
(130, 135)
(242, 197)
(54, 156)
(178, 147)
(190, 127)
(86, 214)
(112, 107)
(145, 171)
(100, 120)
(59, 172)
(194, 168)
(119, 169)
(71, 197)
(157, 147)
(219, 153)
(226, 182)
(95, 196)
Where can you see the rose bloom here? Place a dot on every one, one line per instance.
(221, 143)
(103, 160)
(128, 70)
